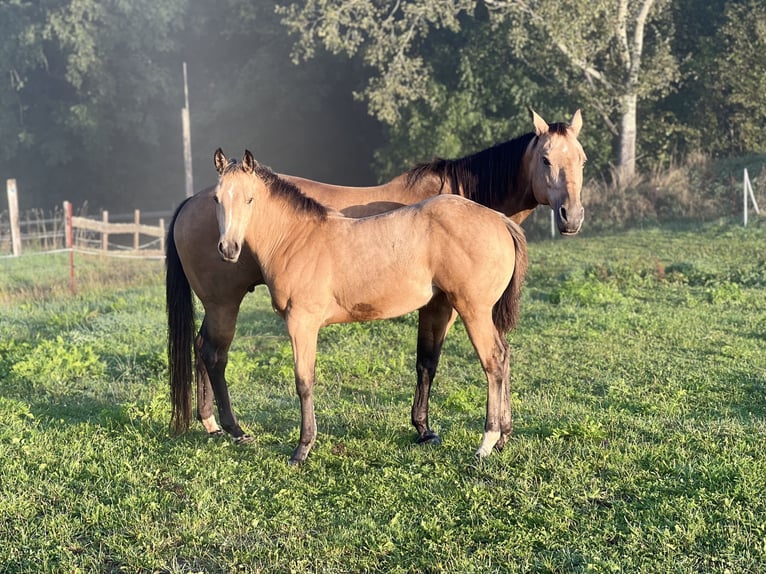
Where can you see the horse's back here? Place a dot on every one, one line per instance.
(366, 201)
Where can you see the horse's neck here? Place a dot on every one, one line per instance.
(513, 198)
(520, 201)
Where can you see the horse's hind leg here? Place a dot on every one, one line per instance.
(212, 350)
(494, 353)
(204, 390)
(434, 321)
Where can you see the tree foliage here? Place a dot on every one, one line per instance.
(603, 55)
(90, 86)
(91, 92)
(739, 80)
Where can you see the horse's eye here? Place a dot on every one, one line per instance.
(546, 161)
(250, 200)
(215, 198)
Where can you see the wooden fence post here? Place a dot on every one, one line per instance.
(69, 242)
(13, 211)
(105, 233)
(162, 234)
(137, 221)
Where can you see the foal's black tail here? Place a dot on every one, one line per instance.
(181, 331)
(505, 313)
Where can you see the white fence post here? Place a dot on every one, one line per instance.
(553, 225)
(747, 190)
(13, 212)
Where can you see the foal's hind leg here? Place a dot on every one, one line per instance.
(303, 336)
(494, 353)
(212, 351)
(434, 321)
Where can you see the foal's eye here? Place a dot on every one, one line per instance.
(249, 200)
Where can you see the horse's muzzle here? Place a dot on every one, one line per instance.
(569, 221)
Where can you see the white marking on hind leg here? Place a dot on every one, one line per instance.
(490, 439)
(210, 425)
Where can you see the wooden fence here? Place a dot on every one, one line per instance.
(37, 231)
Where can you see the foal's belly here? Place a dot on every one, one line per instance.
(395, 302)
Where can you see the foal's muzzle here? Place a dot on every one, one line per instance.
(229, 250)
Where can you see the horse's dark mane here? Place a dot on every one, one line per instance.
(282, 188)
(485, 177)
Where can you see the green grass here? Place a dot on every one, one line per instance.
(639, 445)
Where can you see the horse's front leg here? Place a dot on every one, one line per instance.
(303, 336)
(434, 321)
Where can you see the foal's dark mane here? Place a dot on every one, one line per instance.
(485, 177)
(282, 189)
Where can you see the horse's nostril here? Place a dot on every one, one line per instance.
(563, 213)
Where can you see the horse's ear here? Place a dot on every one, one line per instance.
(576, 123)
(220, 161)
(541, 126)
(248, 162)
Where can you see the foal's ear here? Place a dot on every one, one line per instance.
(220, 161)
(541, 126)
(248, 162)
(576, 123)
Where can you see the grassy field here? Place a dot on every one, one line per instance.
(639, 445)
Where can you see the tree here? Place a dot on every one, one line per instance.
(740, 77)
(91, 88)
(609, 53)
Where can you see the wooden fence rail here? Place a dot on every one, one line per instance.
(40, 232)
(106, 229)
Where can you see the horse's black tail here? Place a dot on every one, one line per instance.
(505, 313)
(181, 332)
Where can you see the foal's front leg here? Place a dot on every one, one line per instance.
(304, 341)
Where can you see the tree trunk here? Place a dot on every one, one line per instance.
(626, 167)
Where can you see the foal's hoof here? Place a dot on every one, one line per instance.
(501, 442)
(429, 438)
(244, 439)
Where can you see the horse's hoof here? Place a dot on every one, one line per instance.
(300, 454)
(430, 438)
(244, 439)
(215, 434)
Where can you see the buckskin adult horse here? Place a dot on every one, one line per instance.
(323, 268)
(543, 167)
